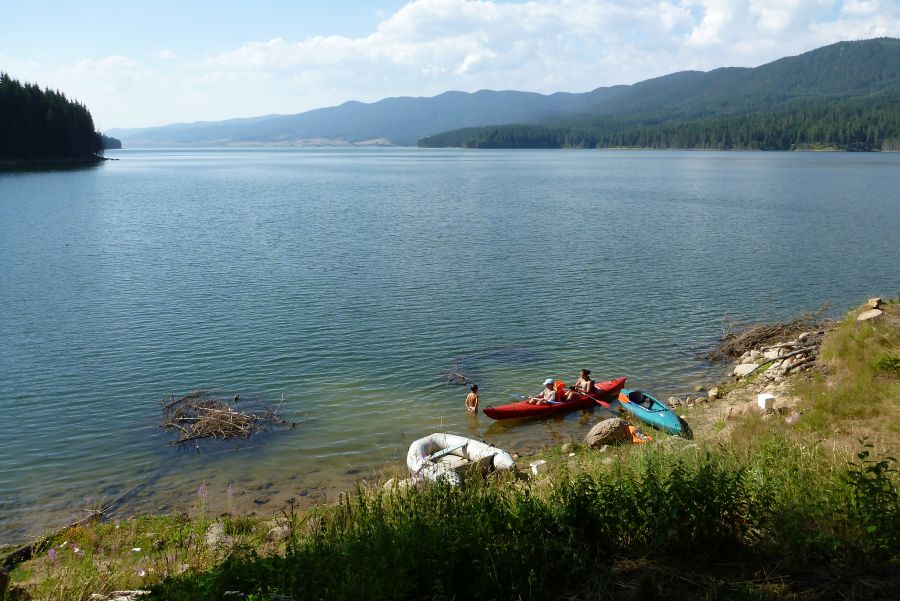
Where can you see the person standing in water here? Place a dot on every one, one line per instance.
(472, 399)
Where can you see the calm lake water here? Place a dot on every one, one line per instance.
(350, 282)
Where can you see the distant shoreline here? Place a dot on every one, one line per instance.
(26, 164)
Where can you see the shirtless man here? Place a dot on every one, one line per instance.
(472, 399)
(583, 385)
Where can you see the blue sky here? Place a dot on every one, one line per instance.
(138, 64)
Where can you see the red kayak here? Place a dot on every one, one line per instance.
(603, 391)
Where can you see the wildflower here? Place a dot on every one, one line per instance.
(79, 552)
(201, 491)
(52, 553)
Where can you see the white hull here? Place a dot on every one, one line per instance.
(438, 457)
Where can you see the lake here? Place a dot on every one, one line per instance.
(350, 282)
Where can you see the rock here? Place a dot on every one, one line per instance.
(803, 337)
(567, 448)
(870, 314)
(538, 466)
(278, 534)
(279, 521)
(609, 431)
(674, 401)
(120, 596)
(755, 354)
(699, 388)
(744, 369)
(214, 534)
(875, 303)
(772, 354)
(713, 394)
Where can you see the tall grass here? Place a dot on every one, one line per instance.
(557, 538)
(860, 385)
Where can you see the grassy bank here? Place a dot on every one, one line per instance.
(800, 510)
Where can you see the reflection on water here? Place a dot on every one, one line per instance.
(352, 281)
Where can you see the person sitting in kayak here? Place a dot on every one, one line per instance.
(545, 397)
(583, 385)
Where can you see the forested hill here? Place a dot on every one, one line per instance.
(844, 96)
(39, 126)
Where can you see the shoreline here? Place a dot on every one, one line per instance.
(726, 429)
(40, 164)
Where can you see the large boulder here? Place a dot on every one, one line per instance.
(609, 431)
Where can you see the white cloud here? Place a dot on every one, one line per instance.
(430, 46)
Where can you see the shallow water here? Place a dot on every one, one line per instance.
(351, 282)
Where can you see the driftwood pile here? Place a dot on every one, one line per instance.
(781, 359)
(738, 341)
(200, 414)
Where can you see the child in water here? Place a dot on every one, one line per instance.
(472, 399)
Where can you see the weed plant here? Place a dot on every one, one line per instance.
(559, 537)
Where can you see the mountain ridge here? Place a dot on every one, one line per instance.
(835, 72)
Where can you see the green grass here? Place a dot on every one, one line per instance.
(597, 525)
(560, 537)
(861, 384)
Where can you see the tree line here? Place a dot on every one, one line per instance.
(871, 123)
(43, 125)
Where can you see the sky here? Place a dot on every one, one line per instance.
(140, 64)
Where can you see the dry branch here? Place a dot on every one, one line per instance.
(738, 339)
(198, 415)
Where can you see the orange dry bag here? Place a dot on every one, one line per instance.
(560, 388)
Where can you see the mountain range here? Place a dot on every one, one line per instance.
(860, 80)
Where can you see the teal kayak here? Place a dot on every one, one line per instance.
(649, 410)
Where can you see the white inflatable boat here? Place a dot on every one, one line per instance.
(440, 456)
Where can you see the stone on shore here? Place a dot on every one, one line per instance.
(120, 596)
(870, 314)
(608, 432)
(744, 369)
(875, 303)
(214, 534)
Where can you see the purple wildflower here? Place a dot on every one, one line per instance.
(202, 492)
(52, 553)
